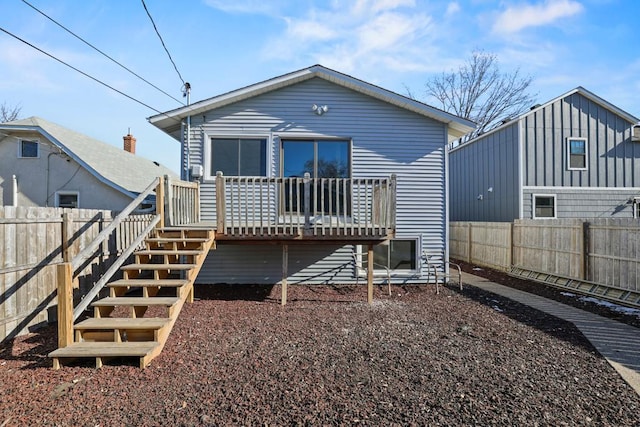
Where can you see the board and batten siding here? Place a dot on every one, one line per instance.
(483, 177)
(610, 152)
(385, 140)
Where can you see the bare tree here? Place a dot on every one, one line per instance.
(480, 92)
(8, 113)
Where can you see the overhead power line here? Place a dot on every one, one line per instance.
(80, 71)
(98, 50)
(162, 41)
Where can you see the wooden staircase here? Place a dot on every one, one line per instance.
(157, 284)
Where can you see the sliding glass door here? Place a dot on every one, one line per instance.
(321, 159)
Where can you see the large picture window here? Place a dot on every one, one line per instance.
(238, 156)
(398, 255)
(577, 153)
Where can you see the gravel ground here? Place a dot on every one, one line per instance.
(236, 357)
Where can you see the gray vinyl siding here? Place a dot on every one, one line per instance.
(385, 140)
(584, 202)
(490, 162)
(610, 155)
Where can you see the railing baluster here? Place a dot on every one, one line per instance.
(345, 206)
(322, 212)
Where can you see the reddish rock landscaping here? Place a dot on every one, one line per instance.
(236, 357)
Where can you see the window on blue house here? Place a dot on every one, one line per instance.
(577, 153)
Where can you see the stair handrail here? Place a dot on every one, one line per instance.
(102, 236)
(66, 271)
(97, 287)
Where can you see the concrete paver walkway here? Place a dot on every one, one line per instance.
(617, 342)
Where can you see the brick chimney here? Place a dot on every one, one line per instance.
(129, 143)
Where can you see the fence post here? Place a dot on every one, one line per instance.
(584, 267)
(469, 242)
(510, 248)
(220, 203)
(67, 229)
(65, 304)
(160, 201)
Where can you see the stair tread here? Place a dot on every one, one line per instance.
(135, 301)
(158, 266)
(123, 323)
(169, 252)
(167, 283)
(106, 349)
(177, 239)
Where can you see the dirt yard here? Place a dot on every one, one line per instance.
(236, 357)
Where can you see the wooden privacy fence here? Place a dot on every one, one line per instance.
(602, 251)
(34, 241)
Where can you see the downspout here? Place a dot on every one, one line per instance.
(187, 174)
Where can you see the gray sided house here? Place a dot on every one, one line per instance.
(45, 164)
(573, 157)
(308, 162)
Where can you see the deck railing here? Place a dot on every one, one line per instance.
(305, 207)
(181, 202)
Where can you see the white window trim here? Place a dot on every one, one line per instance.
(533, 206)
(361, 254)
(209, 175)
(586, 153)
(66, 193)
(36, 140)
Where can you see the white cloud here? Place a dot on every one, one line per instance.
(258, 7)
(452, 9)
(375, 6)
(516, 18)
(392, 34)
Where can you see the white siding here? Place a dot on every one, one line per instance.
(385, 140)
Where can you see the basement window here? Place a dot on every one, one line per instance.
(29, 149)
(577, 153)
(67, 199)
(544, 206)
(399, 256)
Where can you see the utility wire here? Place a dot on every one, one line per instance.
(82, 72)
(162, 41)
(98, 50)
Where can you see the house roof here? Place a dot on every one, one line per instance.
(170, 120)
(580, 90)
(117, 168)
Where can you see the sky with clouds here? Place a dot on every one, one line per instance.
(222, 45)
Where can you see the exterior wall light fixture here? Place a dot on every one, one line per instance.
(320, 109)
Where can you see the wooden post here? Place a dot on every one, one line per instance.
(220, 203)
(160, 201)
(510, 249)
(168, 202)
(197, 202)
(65, 304)
(584, 265)
(370, 274)
(67, 234)
(285, 273)
(469, 242)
